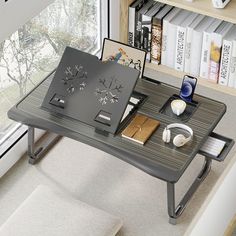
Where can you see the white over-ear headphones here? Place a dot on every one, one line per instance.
(179, 140)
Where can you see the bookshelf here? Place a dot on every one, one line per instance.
(199, 6)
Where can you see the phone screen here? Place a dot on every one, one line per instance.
(187, 88)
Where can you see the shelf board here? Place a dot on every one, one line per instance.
(124, 19)
(203, 82)
(205, 7)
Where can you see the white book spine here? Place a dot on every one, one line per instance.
(195, 57)
(225, 62)
(188, 50)
(232, 73)
(164, 42)
(215, 53)
(180, 48)
(171, 44)
(131, 26)
(205, 55)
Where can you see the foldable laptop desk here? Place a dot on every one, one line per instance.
(163, 161)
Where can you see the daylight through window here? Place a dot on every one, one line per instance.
(34, 50)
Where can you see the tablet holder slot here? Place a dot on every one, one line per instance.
(58, 101)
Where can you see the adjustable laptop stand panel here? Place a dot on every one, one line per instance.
(89, 90)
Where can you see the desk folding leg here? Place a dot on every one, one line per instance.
(35, 152)
(173, 211)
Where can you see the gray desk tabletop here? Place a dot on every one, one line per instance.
(156, 158)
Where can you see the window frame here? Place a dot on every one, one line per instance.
(18, 134)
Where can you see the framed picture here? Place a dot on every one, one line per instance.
(124, 55)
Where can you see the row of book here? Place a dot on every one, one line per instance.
(186, 41)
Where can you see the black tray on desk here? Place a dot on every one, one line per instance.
(185, 116)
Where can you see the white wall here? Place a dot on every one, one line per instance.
(15, 13)
(115, 19)
(219, 208)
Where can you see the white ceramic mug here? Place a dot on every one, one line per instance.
(178, 106)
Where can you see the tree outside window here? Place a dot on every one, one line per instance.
(29, 54)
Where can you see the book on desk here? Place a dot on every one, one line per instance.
(140, 128)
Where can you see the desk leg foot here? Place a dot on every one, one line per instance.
(172, 221)
(173, 211)
(35, 152)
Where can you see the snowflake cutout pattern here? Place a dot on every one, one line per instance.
(77, 75)
(109, 91)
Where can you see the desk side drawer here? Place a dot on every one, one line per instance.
(229, 143)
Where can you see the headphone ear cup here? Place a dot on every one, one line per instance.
(179, 140)
(166, 135)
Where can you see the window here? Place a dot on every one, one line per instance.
(34, 50)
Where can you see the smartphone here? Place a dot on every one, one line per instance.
(187, 88)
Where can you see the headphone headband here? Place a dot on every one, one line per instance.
(182, 126)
